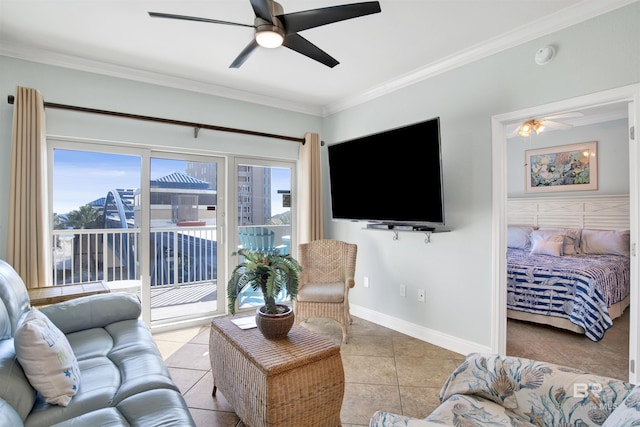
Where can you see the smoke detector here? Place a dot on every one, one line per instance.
(544, 55)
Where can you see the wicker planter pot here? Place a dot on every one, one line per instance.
(275, 326)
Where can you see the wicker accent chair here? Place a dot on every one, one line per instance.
(328, 269)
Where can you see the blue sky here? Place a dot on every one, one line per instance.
(80, 177)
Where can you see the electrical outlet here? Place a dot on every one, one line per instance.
(366, 282)
(403, 290)
(421, 297)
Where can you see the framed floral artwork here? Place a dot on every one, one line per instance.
(572, 167)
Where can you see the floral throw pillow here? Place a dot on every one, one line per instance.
(47, 358)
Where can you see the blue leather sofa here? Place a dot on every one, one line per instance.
(123, 380)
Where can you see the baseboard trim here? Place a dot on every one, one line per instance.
(431, 336)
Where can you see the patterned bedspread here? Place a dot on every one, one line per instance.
(577, 287)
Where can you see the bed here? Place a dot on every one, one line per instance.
(570, 276)
(587, 290)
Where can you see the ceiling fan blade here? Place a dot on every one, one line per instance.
(305, 47)
(298, 21)
(244, 55)
(196, 18)
(262, 9)
(555, 125)
(563, 115)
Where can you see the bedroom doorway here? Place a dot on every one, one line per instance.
(501, 125)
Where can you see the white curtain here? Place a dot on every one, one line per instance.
(310, 223)
(28, 242)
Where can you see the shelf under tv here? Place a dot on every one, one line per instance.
(406, 228)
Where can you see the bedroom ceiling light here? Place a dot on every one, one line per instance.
(526, 128)
(540, 124)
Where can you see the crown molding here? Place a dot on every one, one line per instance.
(573, 15)
(113, 70)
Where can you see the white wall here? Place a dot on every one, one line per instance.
(613, 157)
(83, 89)
(455, 268)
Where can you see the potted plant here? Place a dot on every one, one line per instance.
(270, 272)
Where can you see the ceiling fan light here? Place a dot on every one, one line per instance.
(525, 129)
(269, 38)
(538, 127)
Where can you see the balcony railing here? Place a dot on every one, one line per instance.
(177, 255)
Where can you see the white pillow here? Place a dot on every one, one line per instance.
(47, 358)
(615, 242)
(553, 246)
(571, 238)
(518, 236)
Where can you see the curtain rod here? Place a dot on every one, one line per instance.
(196, 126)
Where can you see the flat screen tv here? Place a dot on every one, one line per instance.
(392, 177)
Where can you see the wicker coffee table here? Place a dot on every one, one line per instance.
(297, 381)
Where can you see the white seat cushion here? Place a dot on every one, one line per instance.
(321, 292)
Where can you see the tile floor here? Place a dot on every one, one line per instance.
(385, 369)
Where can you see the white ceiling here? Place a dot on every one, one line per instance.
(408, 41)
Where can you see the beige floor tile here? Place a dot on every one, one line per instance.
(199, 396)
(202, 337)
(362, 400)
(205, 418)
(422, 372)
(412, 347)
(418, 402)
(190, 356)
(362, 327)
(178, 335)
(167, 348)
(368, 346)
(369, 369)
(185, 379)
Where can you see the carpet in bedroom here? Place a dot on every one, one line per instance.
(608, 357)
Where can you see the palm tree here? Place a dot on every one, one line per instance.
(59, 222)
(85, 217)
(267, 271)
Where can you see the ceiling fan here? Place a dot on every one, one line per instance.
(538, 125)
(275, 28)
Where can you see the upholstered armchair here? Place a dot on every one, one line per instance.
(328, 269)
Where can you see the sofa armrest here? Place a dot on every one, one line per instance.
(94, 311)
(535, 389)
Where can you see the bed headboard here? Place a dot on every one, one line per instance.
(596, 212)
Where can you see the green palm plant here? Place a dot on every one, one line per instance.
(267, 271)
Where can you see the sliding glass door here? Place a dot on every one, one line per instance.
(94, 232)
(264, 213)
(183, 227)
(140, 221)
